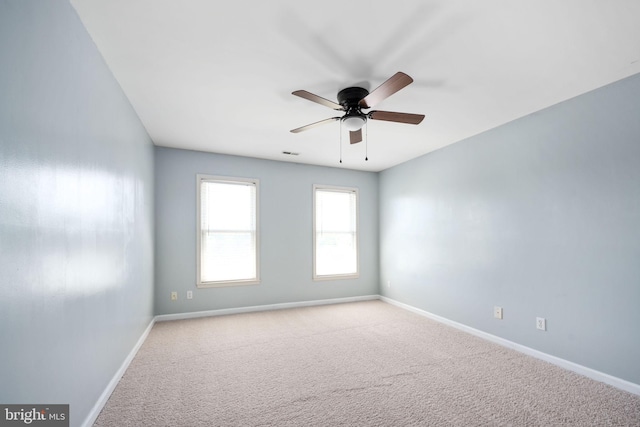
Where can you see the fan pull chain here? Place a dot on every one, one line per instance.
(366, 142)
(340, 141)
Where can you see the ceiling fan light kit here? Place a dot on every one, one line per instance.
(353, 100)
(354, 122)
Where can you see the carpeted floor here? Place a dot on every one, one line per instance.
(357, 364)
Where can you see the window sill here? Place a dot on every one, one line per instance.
(226, 284)
(336, 277)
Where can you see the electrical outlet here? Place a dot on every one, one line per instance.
(388, 283)
(174, 296)
(497, 312)
(189, 294)
(541, 323)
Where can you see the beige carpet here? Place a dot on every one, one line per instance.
(357, 364)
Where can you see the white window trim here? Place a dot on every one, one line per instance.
(337, 276)
(199, 179)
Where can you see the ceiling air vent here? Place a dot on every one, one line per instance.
(290, 153)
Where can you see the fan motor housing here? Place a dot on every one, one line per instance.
(350, 97)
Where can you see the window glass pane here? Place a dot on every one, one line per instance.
(227, 256)
(335, 254)
(228, 206)
(335, 211)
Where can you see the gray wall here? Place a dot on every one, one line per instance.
(540, 216)
(76, 212)
(285, 231)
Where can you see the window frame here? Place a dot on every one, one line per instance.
(340, 189)
(200, 178)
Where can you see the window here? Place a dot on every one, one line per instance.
(227, 231)
(335, 232)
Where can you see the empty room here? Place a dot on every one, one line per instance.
(287, 213)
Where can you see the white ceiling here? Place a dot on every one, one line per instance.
(217, 76)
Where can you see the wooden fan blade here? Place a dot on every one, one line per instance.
(392, 116)
(312, 125)
(317, 99)
(355, 136)
(386, 89)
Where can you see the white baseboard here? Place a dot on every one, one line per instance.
(226, 311)
(104, 397)
(582, 370)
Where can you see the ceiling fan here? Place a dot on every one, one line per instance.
(353, 100)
